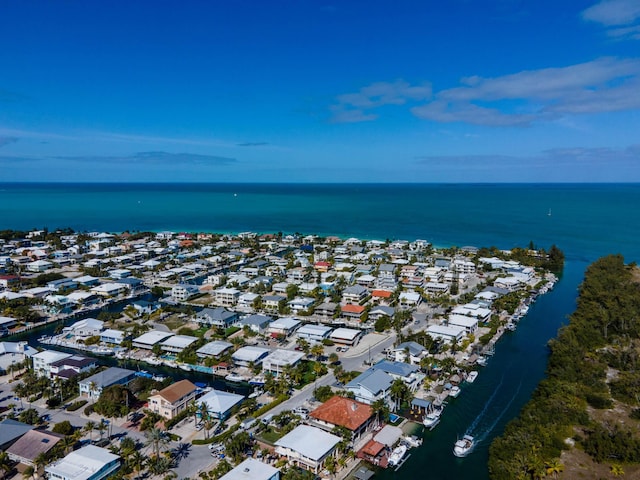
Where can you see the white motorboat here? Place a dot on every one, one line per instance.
(511, 327)
(234, 377)
(464, 446)
(454, 392)
(472, 376)
(482, 361)
(397, 455)
(412, 440)
(432, 418)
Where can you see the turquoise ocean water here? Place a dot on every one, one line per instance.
(586, 221)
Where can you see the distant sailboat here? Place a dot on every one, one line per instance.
(549, 213)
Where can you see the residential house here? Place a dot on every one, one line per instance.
(87, 463)
(88, 327)
(307, 447)
(409, 374)
(257, 323)
(92, 386)
(71, 366)
(252, 469)
(346, 336)
(219, 403)
(43, 360)
(278, 360)
(313, 333)
(271, 303)
(249, 355)
(354, 294)
(32, 444)
(226, 296)
(183, 292)
(283, 326)
(357, 417)
(218, 317)
(149, 339)
(177, 343)
(416, 352)
(301, 304)
(213, 349)
(172, 400)
(370, 386)
(408, 300)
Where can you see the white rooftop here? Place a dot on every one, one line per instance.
(152, 337)
(309, 441)
(280, 358)
(249, 354)
(214, 348)
(220, 402)
(251, 469)
(345, 333)
(179, 341)
(82, 464)
(284, 323)
(313, 330)
(50, 356)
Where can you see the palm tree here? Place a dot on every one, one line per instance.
(29, 472)
(90, 427)
(554, 467)
(137, 461)
(617, 470)
(399, 392)
(5, 463)
(102, 427)
(40, 461)
(317, 350)
(381, 410)
(156, 438)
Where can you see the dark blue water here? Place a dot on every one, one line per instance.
(586, 221)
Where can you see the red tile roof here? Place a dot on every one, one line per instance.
(372, 448)
(344, 412)
(381, 293)
(352, 308)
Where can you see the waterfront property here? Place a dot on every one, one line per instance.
(92, 386)
(370, 386)
(307, 447)
(280, 359)
(357, 417)
(147, 340)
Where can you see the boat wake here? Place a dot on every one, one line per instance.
(480, 436)
(475, 422)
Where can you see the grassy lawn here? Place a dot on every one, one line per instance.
(270, 436)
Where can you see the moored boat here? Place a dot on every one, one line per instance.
(454, 392)
(397, 455)
(432, 418)
(234, 377)
(463, 446)
(472, 376)
(412, 440)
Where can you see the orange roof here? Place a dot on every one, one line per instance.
(176, 391)
(381, 293)
(344, 412)
(322, 264)
(352, 308)
(372, 448)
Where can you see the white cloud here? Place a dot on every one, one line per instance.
(619, 17)
(613, 12)
(602, 85)
(354, 107)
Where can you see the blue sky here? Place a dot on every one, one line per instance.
(315, 91)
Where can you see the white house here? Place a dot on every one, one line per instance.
(315, 333)
(42, 361)
(252, 469)
(307, 447)
(277, 360)
(87, 463)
